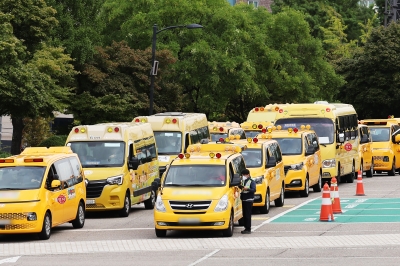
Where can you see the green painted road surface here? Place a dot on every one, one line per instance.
(362, 210)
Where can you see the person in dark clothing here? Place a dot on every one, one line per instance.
(247, 196)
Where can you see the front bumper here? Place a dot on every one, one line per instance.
(295, 180)
(111, 198)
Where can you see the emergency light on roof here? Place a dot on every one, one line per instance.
(6, 160)
(280, 111)
(110, 130)
(277, 108)
(221, 129)
(265, 136)
(263, 130)
(250, 140)
(34, 160)
(390, 116)
(168, 120)
(143, 120)
(82, 130)
(212, 155)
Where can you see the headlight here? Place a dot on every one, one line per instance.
(258, 179)
(160, 204)
(329, 163)
(297, 166)
(86, 182)
(31, 216)
(115, 180)
(222, 204)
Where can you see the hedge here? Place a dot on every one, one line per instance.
(58, 140)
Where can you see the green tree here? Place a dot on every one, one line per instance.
(35, 131)
(372, 75)
(35, 79)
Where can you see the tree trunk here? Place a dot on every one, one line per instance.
(18, 126)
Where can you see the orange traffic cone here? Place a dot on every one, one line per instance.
(360, 186)
(326, 206)
(335, 196)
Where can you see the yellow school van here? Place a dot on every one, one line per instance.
(39, 189)
(263, 158)
(365, 150)
(336, 125)
(174, 132)
(264, 113)
(120, 162)
(301, 157)
(385, 148)
(225, 131)
(200, 190)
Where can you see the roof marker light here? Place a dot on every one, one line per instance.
(280, 110)
(255, 140)
(116, 129)
(260, 126)
(212, 155)
(218, 155)
(254, 126)
(279, 127)
(137, 120)
(263, 130)
(174, 121)
(295, 130)
(181, 155)
(256, 109)
(76, 130)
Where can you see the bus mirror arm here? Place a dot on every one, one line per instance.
(133, 163)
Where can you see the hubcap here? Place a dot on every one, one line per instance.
(282, 195)
(127, 204)
(320, 181)
(47, 225)
(307, 186)
(268, 200)
(81, 214)
(153, 198)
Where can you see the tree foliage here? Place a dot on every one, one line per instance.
(36, 130)
(372, 75)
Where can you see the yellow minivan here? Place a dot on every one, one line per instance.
(301, 158)
(200, 190)
(365, 150)
(120, 162)
(40, 189)
(385, 149)
(225, 130)
(263, 158)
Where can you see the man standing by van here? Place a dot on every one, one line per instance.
(247, 196)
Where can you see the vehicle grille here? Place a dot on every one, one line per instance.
(286, 168)
(190, 205)
(94, 206)
(94, 188)
(12, 216)
(18, 226)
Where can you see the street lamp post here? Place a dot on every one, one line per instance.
(154, 63)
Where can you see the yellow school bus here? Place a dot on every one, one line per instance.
(263, 158)
(365, 150)
(174, 132)
(200, 190)
(336, 125)
(301, 157)
(386, 149)
(120, 162)
(225, 130)
(41, 188)
(264, 113)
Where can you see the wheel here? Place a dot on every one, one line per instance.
(392, 171)
(79, 221)
(124, 212)
(229, 231)
(352, 175)
(149, 203)
(265, 209)
(161, 233)
(318, 187)
(304, 193)
(279, 202)
(370, 172)
(46, 227)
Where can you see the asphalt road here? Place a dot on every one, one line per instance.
(107, 239)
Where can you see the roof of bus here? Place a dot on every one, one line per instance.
(380, 122)
(318, 109)
(174, 121)
(264, 113)
(111, 131)
(37, 156)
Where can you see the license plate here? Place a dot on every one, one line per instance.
(90, 201)
(5, 222)
(164, 159)
(189, 221)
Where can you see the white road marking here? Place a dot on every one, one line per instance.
(109, 229)
(281, 214)
(10, 260)
(204, 258)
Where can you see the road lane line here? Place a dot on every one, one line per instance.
(109, 229)
(282, 213)
(204, 258)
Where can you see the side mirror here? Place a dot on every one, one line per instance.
(133, 163)
(341, 137)
(55, 183)
(310, 150)
(364, 139)
(397, 138)
(156, 184)
(235, 180)
(271, 162)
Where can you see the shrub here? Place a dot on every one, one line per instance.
(4, 154)
(58, 140)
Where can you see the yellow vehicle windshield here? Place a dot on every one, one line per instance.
(380, 134)
(21, 177)
(168, 142)
(195, 175)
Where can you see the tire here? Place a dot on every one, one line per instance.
(265, 209)
(370, 172)
(124, 212)
(339, 178)
(318, 187)
(149, 203)
(229, 231)
(392, 171)
(79, 221)
(161, 233)
(350, 177)
(279, 202)
(304, 193)
(46, 227)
